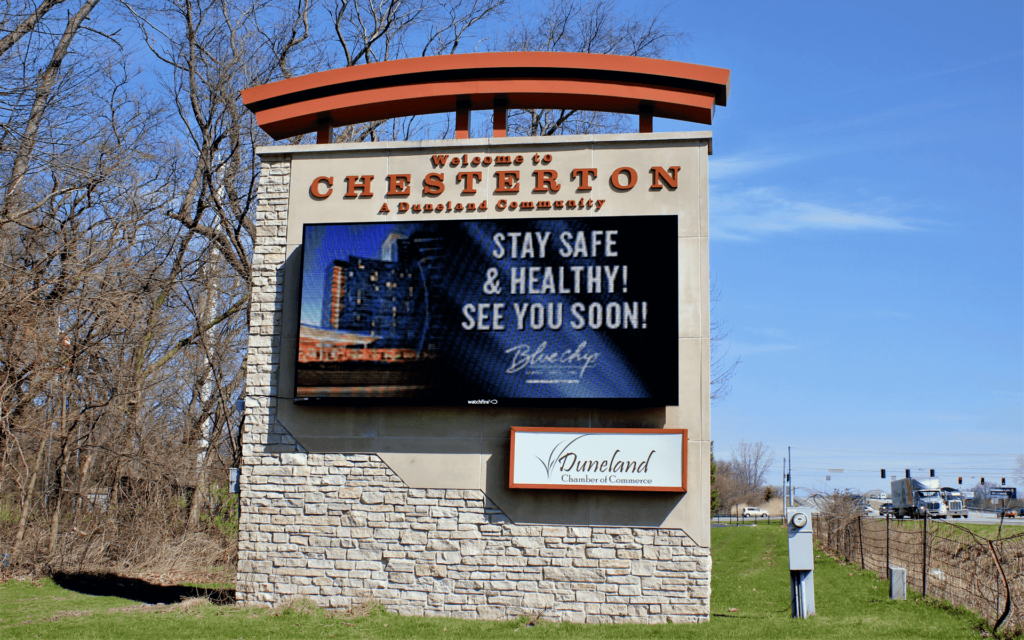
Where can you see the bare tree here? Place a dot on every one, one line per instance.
(742, 479)
(837, 508)
(126, 239)
(589, 26)
(752, 461)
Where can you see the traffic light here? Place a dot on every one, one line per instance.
(931, 473)
(883, 474)
(787, 477)
(983, 480)
(1003, 482)
(908, 473)
(960, 480)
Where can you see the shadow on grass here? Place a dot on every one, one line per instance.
(111, 584)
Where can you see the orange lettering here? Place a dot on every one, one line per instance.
(659, 175)
(314, 189)
(360, 183)
(433, 184)
(584, 175)
(508, 181)
(546, 181)
(471, 178)
(399, 184)
(615, 178)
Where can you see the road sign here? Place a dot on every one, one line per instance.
(1009, 493)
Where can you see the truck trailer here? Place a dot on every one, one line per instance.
(915, 498)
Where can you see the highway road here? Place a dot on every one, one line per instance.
(985, 517)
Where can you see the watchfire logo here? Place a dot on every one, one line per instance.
(492, 401)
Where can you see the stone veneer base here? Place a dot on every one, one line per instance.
(344, 529)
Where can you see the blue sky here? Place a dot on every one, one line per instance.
(866, 233)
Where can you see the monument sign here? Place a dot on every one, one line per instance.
(478, 374)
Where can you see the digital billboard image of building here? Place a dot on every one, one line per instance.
(376, 325)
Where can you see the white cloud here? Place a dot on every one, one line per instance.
(761, 211)
(739, 165)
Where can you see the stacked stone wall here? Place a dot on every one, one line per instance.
(344, 529)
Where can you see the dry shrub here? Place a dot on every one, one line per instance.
(775, 507)
(360, 609)
(300, 605)
(838, 508)
(190, 604)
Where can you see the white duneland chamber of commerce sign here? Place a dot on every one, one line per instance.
(605, 459)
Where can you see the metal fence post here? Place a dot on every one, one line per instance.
(887, 564)
(860, 534)
(924, 557)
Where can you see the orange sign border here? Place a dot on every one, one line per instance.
(596, 487)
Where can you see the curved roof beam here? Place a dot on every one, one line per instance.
(499, 81)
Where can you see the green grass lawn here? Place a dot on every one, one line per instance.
(749, 599)
(988, 531)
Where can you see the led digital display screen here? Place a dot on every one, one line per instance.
(537, 312)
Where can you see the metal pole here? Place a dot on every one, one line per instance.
(887, 573)
(789, 452)
(924, 557)
(860, 534)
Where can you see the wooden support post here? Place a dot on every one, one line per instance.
(324, 132)
(462, 113)
(500, 118)
(646, 117)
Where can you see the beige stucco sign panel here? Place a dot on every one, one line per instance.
(467, 447)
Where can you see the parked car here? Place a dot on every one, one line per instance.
(868, 511)
(1006, 513)
(886, 509)
(754, 512)
(1020, 512)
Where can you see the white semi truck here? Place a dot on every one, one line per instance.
(913, 498)
(954, 502)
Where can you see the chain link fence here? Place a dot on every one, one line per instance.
(943, 560)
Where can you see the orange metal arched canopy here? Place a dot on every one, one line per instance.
(476, 81)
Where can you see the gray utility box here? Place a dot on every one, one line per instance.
(897, 583)
(801, 562)
(801, 540)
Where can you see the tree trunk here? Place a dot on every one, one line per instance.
(26, 498)
(199, 496)
(61, 475)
